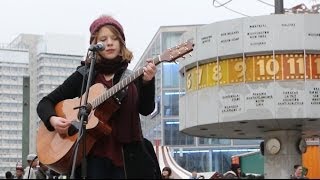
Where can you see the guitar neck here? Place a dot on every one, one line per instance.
(120, 85)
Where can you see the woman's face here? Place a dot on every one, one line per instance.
(165, 173)
(111, 42)
(299, 171)
(19, 172)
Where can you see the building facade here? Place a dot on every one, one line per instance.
(50, 64)
(162, 126)
(13, 68)
(255, 77)
(47, 64)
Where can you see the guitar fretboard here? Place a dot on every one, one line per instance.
(120, 85)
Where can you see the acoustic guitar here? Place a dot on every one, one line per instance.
(56, 151)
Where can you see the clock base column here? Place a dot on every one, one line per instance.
(279, 163)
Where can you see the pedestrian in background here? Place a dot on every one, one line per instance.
(30, 170)
(216, 175)
(297, 174)
(19, 170)
(9, 175)
(233, 173)
(166, 173)
(43, 172)
(194, 175)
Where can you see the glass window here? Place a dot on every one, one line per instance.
(182, 85)
(221, 160)
(170, 39)
(214, 141)
(170, 75)
(172, 135)
(246, 142)
(170, 103)
(200, 160)
(193, 160)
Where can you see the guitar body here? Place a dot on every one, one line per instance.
(56, 151)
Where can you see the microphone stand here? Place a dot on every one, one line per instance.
(30, 166)
(84, 111)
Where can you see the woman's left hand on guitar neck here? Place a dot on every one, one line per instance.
(149, 71)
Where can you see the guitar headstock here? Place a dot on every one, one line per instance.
(176, 52)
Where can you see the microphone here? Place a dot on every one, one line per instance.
(97, 47)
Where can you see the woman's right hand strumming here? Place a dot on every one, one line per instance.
(60, 124)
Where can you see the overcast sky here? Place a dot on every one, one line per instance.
(140, 18)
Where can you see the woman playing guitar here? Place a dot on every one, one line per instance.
(108, 153)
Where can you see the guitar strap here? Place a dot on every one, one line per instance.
(122, 93)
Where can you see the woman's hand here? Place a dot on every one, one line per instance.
(60, 124)
(149, 71)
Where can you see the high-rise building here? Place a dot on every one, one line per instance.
(53, 57)
(13, 68)
(47, 60)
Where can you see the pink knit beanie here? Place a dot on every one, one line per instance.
(105, 20)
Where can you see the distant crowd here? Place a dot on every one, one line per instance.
(233, 173)
(299, 172)
(34, 170)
